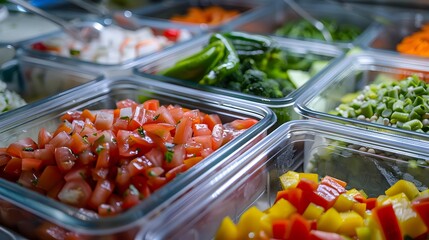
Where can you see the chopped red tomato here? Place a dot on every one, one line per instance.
(75, 193)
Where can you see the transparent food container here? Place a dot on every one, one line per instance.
(116, 50)
(281, 106)
(303, 145)
(278, 13)
(386, 37)
(351, 75)
(16, 28)
(31, 213)
(163, 11)
(35, 80)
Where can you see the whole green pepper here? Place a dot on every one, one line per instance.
(249, 45)
(196, 66)
(228, 65)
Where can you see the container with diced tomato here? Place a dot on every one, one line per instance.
(311, 180)
(110, 158)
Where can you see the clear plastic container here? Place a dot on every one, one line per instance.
(163, 11)
(114, 53)
(352, 74)
(278, 13)
(386, 37)
(28, 211)
(35, 80)
(303, 145)
(281, 106)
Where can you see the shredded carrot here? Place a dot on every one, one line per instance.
(210, 15)
(416, 43)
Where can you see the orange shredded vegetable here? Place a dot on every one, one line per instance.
(416, 43)
(210, 15)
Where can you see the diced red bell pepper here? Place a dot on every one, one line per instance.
(386, 218)
(307, 185)
(299, 228)
(421, 206)
(280, 228)
(371, 203)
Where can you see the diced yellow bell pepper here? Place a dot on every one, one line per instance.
(266, 225)
(310, 176)
(351, 220)
(313, 212)
(227, 230)
(249, 223)
(403, 186)
(289, 179)
(344, 203)
(363, 233)
(360, 208)
(375, 232)
(411, 224)
(282, 209)
(330, 221)
(424, 193)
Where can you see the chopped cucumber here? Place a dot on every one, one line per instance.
(298, 77)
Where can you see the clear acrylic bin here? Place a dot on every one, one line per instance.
(352, 74)
(36, 80)
(281, 106)
(163, 11)
(278, 13)
(303, 145)
(27, 211)
(135, 44)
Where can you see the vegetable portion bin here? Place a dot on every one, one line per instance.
(200, 15)
(297, 55)
(281, 20)
(34, 80)
(370, 162)
(35, 215)
(115, 51)
(339, 90)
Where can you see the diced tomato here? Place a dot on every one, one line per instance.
(174, 157)
(71, 115)
(120, 124)
(156, 182)
(172, 173)
(243, 123)
(151, 104)
(211, 120)
(40, 46)
(27, 179)
(44, 137)
(49, 178)
(78, 173)
(153, 172)
(206, 152)
(123, 178)
(156, 156)
(101, 193)
(172, 34)
(138, 119)
(176, 113)
(15, 149)
(13, 168)
(64, 127)
(53, 193)
(88, 115)
(194, 115)
(65, 158)
(190, 162)
(138, 165)
(105, 210)
(131, 144)
(78, 144)
(27, 154)
(217, 136)
(131, 197)
(140, 182)
(29, 164)
(321, 235)
(193, 148)
(48, 230)
(86, 157)
(4, 157)
(104, 120)
(103, 159)
(126, 103)
(60, 140)
(75, 193)
(160, 129)
(205, 141)
(201, 130)
(164, 116)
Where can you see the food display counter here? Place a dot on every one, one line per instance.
(216, 120)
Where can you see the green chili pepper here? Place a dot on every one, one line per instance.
(228, 65)
(196, 66)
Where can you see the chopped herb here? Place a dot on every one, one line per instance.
(99, 149)
(34, 181)
(82, 175)
(151, 173)
(178, 122)
(109, 210)
(100, 139)
(133, 190)
(169, 155)
(169, 146)
(114, 140)
(28, 149)
(85, 139)
(141, 132)
(156, 117)
(94, 134)
(74, 52)
(125, 118)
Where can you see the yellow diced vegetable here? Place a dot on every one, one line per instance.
(282, 209)
(313, 212)
(310, 176)
(363, 233)
(360, 208)
(330, 221)
(289, 180)
(403, 186)
(351, 220)
(344, 203)
(249, 223)
(227, 230)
